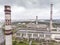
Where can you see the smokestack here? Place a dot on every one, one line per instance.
(36, 19)
(51, 17)
(8, 32)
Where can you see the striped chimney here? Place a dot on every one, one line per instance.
(8, 32)
(51, 17)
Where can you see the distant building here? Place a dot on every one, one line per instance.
(38, 34)
(33, 25)
(34, 31)
(56, 34)
(33, 34)
(1, 35)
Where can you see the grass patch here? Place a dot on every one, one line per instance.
(34, 42)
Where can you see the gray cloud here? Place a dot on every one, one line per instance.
(32, 4)
(3, 2)
(27, 3)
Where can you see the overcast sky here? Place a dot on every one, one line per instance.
(28, 9)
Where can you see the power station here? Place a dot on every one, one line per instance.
(8, 28)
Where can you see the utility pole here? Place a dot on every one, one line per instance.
(8, 32)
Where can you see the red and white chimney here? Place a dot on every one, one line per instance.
(8, 32)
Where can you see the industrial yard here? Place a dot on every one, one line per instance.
(29, 22)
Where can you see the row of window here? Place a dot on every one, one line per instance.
(8, 22)
(34, 35)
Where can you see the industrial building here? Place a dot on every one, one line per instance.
(40, 31)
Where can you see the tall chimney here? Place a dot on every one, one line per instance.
(36, 19)
(51, 17)
(8, 32)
